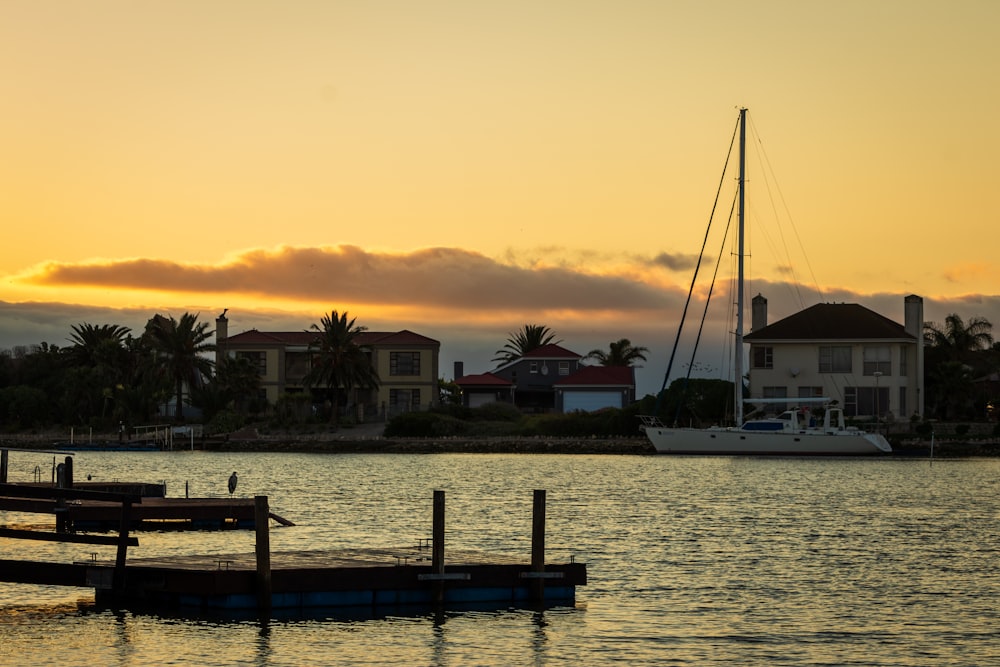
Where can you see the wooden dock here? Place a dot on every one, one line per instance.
(151, 514)
(327, 579)
(261, 581)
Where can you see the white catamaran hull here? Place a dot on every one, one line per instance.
(739, 441)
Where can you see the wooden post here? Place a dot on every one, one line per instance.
(118, 580)
(538, 544)
(437, 545)
(263, 551)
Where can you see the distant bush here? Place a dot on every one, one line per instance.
(224, 421)
(924, 430)
(604, 423)
(425, 425)
(497, 411)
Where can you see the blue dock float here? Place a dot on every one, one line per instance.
(341, 578)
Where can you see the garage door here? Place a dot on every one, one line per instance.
(477, 400)
(588, 401)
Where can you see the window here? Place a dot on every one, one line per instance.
(563, 368)
(404, 363)
(533, 367)
(258, 359)
(835, 359)
(810, 392)
(297, 366)
(761, 356)
(902, 361)
(902, 400)
(865, 401)
(403, 400)
(877, 360)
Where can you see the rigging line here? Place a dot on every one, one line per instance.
(764, 159)
(687, 302)
(708, 300)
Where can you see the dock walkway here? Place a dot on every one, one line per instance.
(370, 577)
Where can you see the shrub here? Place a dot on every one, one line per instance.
(497, 411)
(224, 421)
(424, 425)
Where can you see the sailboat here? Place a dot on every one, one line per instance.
(792, 433)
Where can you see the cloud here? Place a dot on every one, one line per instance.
(466, 300)
(971, 272)
(433, 277)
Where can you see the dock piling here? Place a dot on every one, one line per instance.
(263, 553)
(118, 579)
(538, 543)
(437, 545)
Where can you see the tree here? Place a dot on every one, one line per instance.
(530, 337)
(957, 340)
(338, 361)
(179, 349)
(956, 353)
(238, 381)
(99, 357)
(620, 353)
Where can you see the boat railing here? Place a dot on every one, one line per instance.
(649, 421)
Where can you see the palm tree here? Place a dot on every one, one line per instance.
(620, 353)
(338, 361)
(99, 354)
(956, 339)
(530, 337)
(954, 356)
(179, 349)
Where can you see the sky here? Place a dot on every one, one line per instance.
(460, 168)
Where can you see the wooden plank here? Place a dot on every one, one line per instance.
(46, 574)
(76, 538)
(55, 492)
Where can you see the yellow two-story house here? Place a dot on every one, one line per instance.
(406, 363)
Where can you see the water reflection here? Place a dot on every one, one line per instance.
(690, 560)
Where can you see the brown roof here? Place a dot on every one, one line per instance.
(618, 376)
(832, 321)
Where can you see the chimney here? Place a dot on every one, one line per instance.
(913, 309)
(221, 334)
(459, 369)
(758, 313)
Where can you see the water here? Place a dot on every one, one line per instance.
(691, 561)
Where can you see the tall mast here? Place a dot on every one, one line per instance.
(738, 353)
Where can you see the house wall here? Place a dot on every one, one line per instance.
(396, 378)
(796, 365)
(281, 359)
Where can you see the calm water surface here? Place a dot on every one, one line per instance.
(692, 561)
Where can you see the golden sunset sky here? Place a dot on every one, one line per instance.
(460, 168)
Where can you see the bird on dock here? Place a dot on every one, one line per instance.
(232, 483)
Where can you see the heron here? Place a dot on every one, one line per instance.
(232, 483)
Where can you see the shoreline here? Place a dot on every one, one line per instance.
(356, 443)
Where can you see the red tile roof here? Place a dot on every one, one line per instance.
(551, 351)
(617, 376)
(482, 380)
(254, 337)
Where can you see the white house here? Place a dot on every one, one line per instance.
(866, 362)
